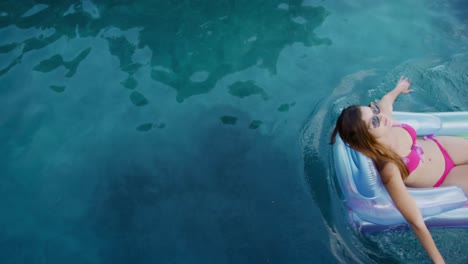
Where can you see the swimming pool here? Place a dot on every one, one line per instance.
(195, 131)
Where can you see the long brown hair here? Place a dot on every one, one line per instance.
(354, 131)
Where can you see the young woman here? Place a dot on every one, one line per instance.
(403, 159)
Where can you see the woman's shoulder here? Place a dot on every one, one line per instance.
(408, 129)
(388, 170)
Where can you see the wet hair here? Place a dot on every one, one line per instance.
(354, 131)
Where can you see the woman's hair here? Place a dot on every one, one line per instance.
(354, 131)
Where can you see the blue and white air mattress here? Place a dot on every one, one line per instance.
(370, 206)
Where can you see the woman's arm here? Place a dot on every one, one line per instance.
(386, 103)
(407, 207)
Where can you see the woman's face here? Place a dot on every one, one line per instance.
(377, 123)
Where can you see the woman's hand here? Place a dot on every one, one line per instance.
(386, 103)
(403, 85)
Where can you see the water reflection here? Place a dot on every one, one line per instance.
(56, 61)
(190, 45)
(248, 88)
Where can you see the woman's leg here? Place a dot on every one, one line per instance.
(457, 176)
(457, 148)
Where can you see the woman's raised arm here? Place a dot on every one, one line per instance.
(386, 103)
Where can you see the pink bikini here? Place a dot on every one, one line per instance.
(417, 154)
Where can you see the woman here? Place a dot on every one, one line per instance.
(403, 159)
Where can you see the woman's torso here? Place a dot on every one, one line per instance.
(432, 163)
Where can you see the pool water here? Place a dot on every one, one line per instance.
(197, 131)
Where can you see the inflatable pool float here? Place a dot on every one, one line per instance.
(370, 206)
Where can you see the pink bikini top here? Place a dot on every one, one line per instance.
(416, 155)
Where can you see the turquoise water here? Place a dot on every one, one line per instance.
(196, 131)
